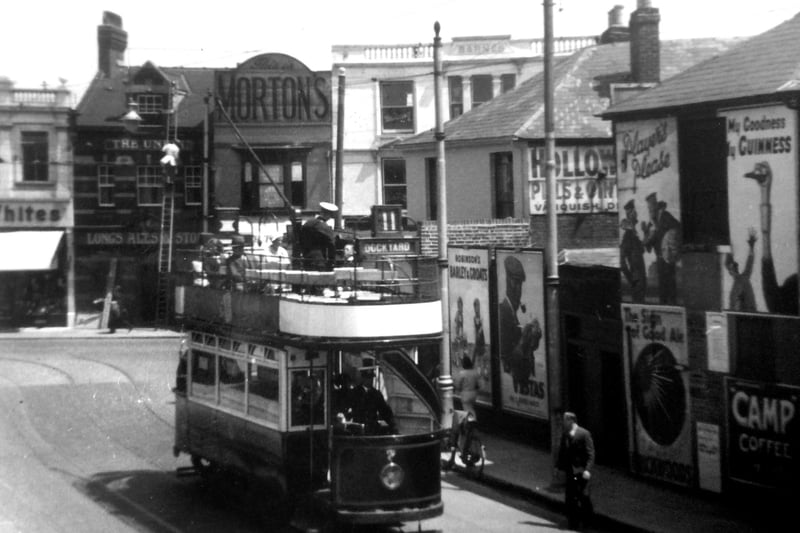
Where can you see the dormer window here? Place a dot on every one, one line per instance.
(150, 103)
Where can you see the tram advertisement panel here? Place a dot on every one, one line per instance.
(520, 332)
(470, 334)
(762, 186)
(650, 225)
(658, 382)
(763, 432)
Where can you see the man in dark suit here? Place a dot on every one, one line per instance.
(370, 408)
(576, 460)
(318, 240)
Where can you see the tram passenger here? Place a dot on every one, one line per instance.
(370, 407)
(237, 264)
(318, 241)
(212, 262)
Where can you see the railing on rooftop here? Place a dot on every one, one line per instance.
(35, 97)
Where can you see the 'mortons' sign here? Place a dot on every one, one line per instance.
(275, 88)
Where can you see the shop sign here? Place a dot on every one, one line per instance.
(130, 144)
(274, 88)
(763, 422)
(131, 238)
(585, 180)
(658, 382)
(16, 214)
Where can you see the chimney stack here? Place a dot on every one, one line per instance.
(617, 32)
(112, 41)
(645, 46)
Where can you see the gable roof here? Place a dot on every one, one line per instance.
(105, 100)
(581, 93)
(764, 65)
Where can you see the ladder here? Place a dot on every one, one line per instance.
(165, 256)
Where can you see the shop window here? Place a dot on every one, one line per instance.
(105, 185)
(394, 182)
(503, 183)
(397, 106)
(149, 185)
(433, 187)
(35, 156)
(703, 182)
(193, 184)
(280, 172)
(481, 89)
(507, 82)
(263, 393)
(455, 87)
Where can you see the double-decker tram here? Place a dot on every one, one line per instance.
(307, 383)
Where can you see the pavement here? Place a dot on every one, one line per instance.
(622, 500)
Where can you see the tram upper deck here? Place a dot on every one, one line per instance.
(390, 297)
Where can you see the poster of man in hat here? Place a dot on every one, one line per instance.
(521, 346)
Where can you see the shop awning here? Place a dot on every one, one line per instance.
(29, 250)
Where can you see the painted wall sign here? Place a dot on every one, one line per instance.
(649, 198)
(24, 214)
(130, 144)
(578, 189)
(521, 343)
(471, 332)
(275, 88)
(130, 238)
(762, 197)
(658, 383)
(763, 438)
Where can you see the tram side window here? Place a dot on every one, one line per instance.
(231, 382)
(262, 401)
(307, 397)
(203, 375)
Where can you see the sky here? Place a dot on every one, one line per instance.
(44, 41)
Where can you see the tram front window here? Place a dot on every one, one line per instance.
(231, 382)
(262, 400)
(203, 374)
(307, 397)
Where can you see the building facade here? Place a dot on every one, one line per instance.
(708, 167)
(36, 211)
(389, 96)
(122, 189)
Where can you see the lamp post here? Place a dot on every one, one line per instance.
(340, 150)
(554, 367)
(131, 120)
(445, 379)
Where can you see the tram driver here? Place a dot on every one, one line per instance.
(369, 407)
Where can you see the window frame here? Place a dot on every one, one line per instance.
(432, 184)
(150, 103)
(153, 181)
(106, 177)
(455, 89)
(503, 200)
(508, 82)
(33, 145)
(192, 174)
(481, 77)
(409, 107)
(391, 187)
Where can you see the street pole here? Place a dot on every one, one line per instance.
(339, 149)
(445, 379)
(554, 367)
(207, 99)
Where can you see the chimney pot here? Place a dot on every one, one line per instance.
(615, 16)
(645, 43)
(112, 41)
(644, 4)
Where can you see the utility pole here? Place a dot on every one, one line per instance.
(554, 366)
(207, 99)
(339, 150)
(445, 379)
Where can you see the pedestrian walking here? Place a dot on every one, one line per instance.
(576, 460)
